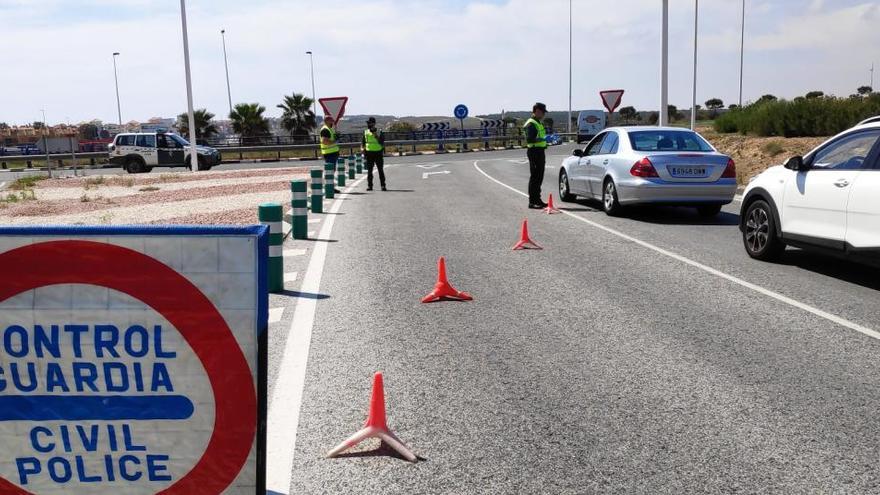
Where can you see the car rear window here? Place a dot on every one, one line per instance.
(125, 140)
(664, 140)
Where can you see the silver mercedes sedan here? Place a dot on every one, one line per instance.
(660, 165)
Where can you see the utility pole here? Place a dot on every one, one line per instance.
(742, 47)
(314, 97)
(664, 67)
(570, 59)
(193, 153)
(694, 96)
(226, 66)
(116, 79)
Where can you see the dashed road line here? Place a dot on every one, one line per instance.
(293, 252)
(314, 220)
(275, 314)
(290, 277)
(718, 273)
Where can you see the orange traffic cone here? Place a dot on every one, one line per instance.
(550, 209)
(376, 426)
(524, 241)
(443, 289)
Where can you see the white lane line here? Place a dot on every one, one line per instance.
(718, 273)
(314, 220)
(2, 184)
(275, 314)
(290, 277)
(311, 234)
(293, 252)
(284, 406)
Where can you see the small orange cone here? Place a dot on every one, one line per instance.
(443, 289)
(376, 426)
(524, 241)
(550, 209)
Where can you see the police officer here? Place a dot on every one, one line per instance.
(373, 146)
(329, 148)
(536, 141)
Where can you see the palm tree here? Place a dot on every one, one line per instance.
(248, 121)
(297, 117)
(205, 128)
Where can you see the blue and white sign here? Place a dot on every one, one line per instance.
(129, 360)
(460, 112)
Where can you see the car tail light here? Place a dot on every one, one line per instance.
(643, 168)
(730, 171)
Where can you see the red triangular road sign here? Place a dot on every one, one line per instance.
(611, 98)
(334, 107)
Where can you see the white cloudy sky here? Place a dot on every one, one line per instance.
(418, 57)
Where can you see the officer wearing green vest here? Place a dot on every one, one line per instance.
(329, 148)
(536, 141)
(373, 145)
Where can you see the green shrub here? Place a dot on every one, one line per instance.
(801, 117)
(772, 148)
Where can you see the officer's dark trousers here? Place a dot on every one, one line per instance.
(377, 159)
(537, 161)
(331, 158)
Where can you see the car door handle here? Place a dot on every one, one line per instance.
(842, 183)
(605, 162)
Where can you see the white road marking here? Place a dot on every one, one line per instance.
(314, 220)
(293, 252)
(290, 277)
(429, 166)
(518, 161)
(284, 406)
(275, 314)
(311, 234)
(718, 273)
(2, 184)
(428, 174)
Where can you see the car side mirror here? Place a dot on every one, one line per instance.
(795, 163)
(577, 152)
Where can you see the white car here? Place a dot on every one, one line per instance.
(140, 152)
(828, 200)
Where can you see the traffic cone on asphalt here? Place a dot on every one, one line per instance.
(524, 241)
(376, 426)
(550, 209)
(443, 289)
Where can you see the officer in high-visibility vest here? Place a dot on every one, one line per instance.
(373, 146)
(329, 148)
(536, 141)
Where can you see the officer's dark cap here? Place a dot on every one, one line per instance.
(539, 106)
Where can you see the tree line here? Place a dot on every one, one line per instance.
(248, 119)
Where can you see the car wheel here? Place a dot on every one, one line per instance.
(709, 211)
(134, 166)
(759, 232)
(564, 190)
(609, 198)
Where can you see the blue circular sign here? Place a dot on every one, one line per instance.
(460, 112)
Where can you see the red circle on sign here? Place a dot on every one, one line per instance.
(184, 306)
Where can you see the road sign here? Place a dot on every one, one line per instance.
(132, 359)
(611, 99)
(460, 112)
(334, 107)
(435, 126)
(491, 124)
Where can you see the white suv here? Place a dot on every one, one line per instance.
(140, 152)
(828, 199)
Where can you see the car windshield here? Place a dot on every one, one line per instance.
(179, 140)
(665, 140)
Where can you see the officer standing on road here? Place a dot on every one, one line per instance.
(329, 148)
(536, 141)
(373, 145)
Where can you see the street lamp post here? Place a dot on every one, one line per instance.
(312, 67)
(742, 46)
(570, 22)
(664, 66)
(193, 153)
(116, 80)
(226, 66)
(694, 96)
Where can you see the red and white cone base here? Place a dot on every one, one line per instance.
(550, 209)
(525, 242)
(376, 426)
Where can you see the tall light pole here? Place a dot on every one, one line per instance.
(116, 79)
(226, 65)
(193, 153)
(872, 76)
(570, 22)
(694, 96)
(742, 47)
(664, 67)
(314, 97)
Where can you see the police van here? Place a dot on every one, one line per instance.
(590, 123)
(139, 152)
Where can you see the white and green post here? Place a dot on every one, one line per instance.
(300, 213)
(329, 169)
(351, 167)
(317, 175)
(271, 215)
(340, 169)
(359, 163)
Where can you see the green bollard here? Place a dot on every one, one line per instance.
(300, 214)
(359, 163)
(340, 169)
(271, 215)
(317, 175)
(329, 168)
(351, 168)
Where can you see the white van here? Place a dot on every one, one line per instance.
(590, 123)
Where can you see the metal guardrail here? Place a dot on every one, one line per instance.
(392, 146)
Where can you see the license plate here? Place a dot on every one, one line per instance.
(687, 171)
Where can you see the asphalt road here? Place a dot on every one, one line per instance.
(645, 354)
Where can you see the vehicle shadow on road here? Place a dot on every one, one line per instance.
(670, 215)
(318, 240)
(848, 271)
(304, 295)
(400, 190)
(383, 450)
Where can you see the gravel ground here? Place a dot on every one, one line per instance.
(242, 216)
(146, 180)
